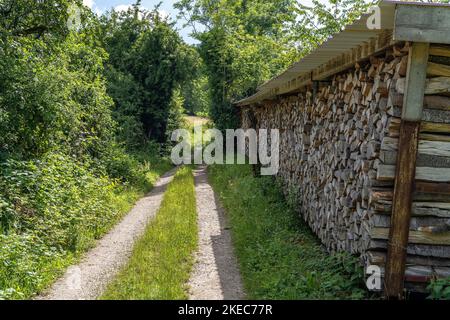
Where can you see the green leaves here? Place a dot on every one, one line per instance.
(52, 92)
(146, 52)
(246, 42)
(63, 178)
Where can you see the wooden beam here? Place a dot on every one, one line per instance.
(387, 172)
(415, 82)
(436, 69)
(421, 23)
(432, 187)
(354, 55)
(406, 170)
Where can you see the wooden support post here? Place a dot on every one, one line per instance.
(406, 169)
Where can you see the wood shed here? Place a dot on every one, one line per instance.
(364, 126)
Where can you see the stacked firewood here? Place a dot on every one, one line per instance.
(338, 152)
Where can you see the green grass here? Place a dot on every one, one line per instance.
(162, 259)
(279, 257)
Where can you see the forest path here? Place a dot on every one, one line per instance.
(216, 274)
(88, 279)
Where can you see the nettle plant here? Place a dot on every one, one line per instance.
(439, 289)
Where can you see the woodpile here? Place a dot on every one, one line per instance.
(338, 156)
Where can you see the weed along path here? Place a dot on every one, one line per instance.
(216, 274)
(88, 279)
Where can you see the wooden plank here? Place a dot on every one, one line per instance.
(437, 102)
(430, 117)
(422, 23)
(415, 237)
(437, 188)
(379, 258)
(436, 69)
(419, 209)
(434, 137)
(415, 79)
(388, 172)
(423, 160)
(398, 233)
(422, 190)
(430, 102)
(424, 250)
(429, 223)
(439, 85)
(442, 128)
(401, 213)
(440, 60)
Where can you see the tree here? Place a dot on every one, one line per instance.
(147, 62)
(195, 87)
(246, 42)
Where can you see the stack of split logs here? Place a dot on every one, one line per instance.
(338, 155)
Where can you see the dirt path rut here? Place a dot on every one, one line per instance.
(216, 274)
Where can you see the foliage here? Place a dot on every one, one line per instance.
(40, 19)
(53, 95)
(195, 89)
(176, 111)
(147, 62)
(439, 289)
(246, 42)
(317, 22)
(279, 256)
(51, 210)
(80, 110)
(162, 259)
(64, 179)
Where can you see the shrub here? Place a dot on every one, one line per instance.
(51, 210)
(439, 289)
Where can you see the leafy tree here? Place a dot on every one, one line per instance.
(241, 45)
(148, 60)
(246, 42)
(52, 91)
(195, 87)
(44, 18)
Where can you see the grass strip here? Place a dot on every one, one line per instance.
(162, 259)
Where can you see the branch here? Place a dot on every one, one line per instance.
(33, 30)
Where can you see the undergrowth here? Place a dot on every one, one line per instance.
(53, 209)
